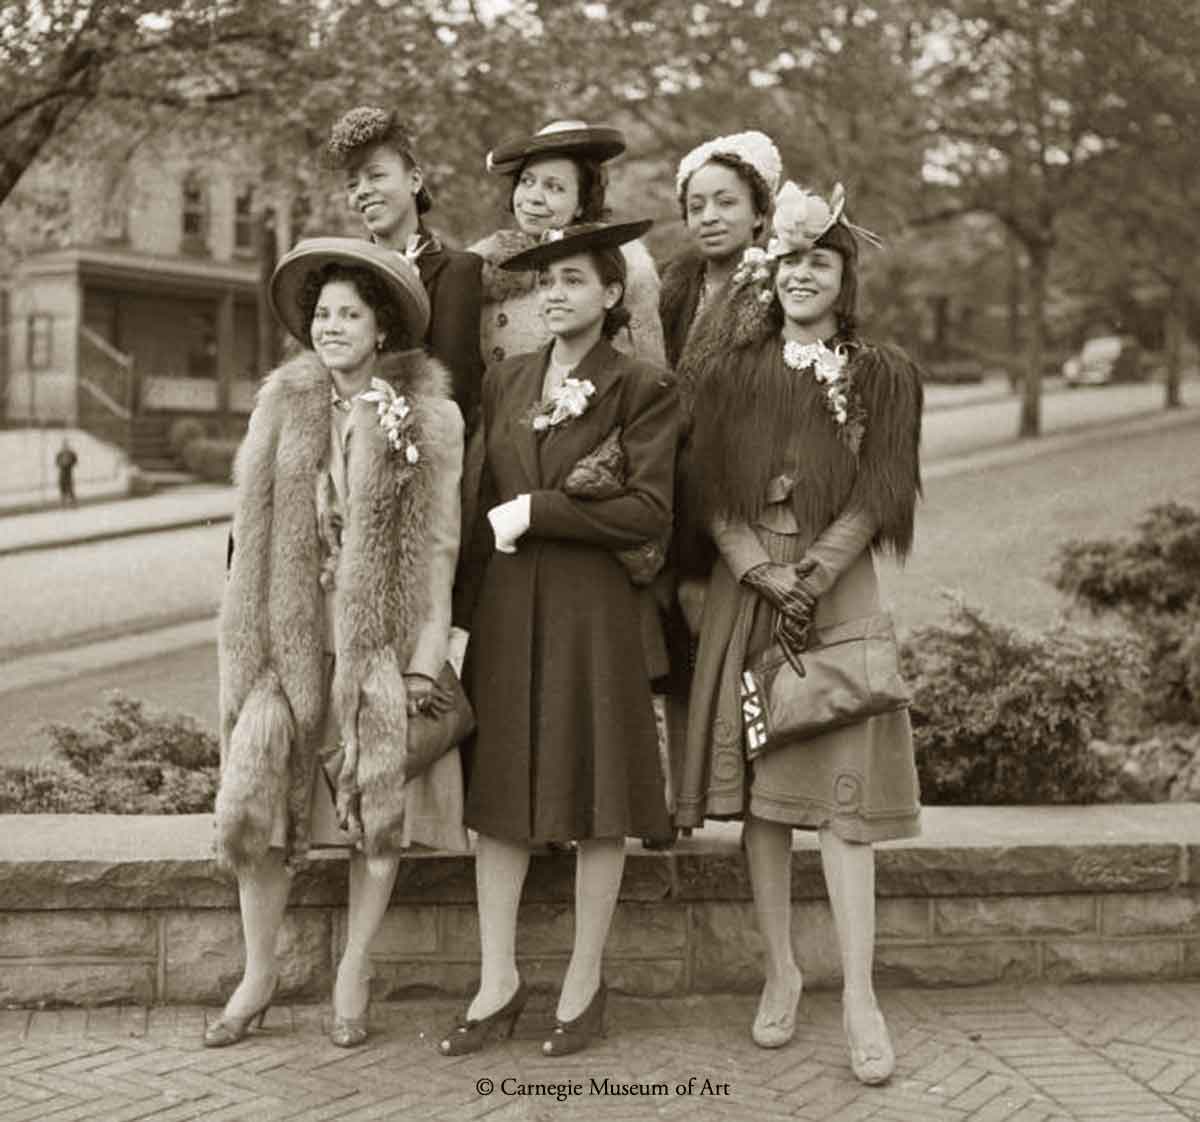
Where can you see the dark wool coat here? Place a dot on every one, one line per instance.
(272, 657)
(567, 747)
(452, 279)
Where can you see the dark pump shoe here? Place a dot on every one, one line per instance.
(574, 1036)
(470, 1036)
(229, 1030)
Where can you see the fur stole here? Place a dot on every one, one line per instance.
(500, 284)
(682, 280)
(272, 624)
(755, 420)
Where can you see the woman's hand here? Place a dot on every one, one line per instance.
(509, 521)
(784, 588)
(419, 688)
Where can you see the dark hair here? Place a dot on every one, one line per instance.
(593, 183)
(760, 194)
(371, 291)
(845, 307)
(366, 127)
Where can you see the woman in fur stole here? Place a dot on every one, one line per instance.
(805, 440)
(336, 613)
(561, 660)
(557, 179)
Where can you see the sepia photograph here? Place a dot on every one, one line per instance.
(600, 559)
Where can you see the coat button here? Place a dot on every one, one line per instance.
(497, 353)
(502, 320)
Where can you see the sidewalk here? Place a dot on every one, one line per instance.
(1109, 1053)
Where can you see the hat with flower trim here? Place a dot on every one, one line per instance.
(582, 238)
(558, 138)
(803, 218)
(398, 274)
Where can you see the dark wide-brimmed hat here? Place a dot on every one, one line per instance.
(583, 238)
(559, 138)
(398, 274)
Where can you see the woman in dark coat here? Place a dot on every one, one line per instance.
(805, 443)
(386, 188)
(567, 748)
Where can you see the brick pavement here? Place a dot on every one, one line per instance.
(1110, 1053)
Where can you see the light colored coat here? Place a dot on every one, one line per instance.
(391, 611)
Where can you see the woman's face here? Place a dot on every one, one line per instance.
(720, 211)
(807, 284)
(572, 298)
(546, 195)
(344, 331)
(382, 187)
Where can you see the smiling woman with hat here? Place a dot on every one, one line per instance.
(563, 641)
(336, 612)
(558, 179)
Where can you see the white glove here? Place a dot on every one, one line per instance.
(509, 521)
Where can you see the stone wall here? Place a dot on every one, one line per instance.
(107, 909)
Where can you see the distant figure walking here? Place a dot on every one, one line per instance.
(65, 461)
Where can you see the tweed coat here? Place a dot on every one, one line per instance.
(566, 747)
(511, 323)
(390, 610)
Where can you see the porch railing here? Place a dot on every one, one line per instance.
(106, 386)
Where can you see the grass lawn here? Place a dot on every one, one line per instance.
(992, 535)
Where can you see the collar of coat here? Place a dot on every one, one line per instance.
(272, 625)
(501, 284)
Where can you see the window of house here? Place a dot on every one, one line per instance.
(200, 343)
(195, 212)
(40, 341)
(244, 240)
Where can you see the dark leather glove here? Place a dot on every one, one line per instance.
(785, 589)
(421, 692)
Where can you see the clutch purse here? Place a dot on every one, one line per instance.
(601, 475)
(849, 673)
(446, 721)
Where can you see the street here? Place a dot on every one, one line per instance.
(989, 534)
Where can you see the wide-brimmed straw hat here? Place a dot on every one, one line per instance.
(398, 274)
(557, 244)
(559, 138)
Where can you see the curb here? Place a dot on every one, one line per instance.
(113, 535)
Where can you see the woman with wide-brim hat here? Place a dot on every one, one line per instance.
(561, 663)
(805, 463)
(336, 611)
(385, 185)
(557, 179)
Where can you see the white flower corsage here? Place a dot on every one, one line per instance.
(395, 418)
(755, 268)
(570, 400)
(831, 369)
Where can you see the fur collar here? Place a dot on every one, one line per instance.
(501, 284)
(682, 280)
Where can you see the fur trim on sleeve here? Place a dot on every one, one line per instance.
(500, 284)
(888, 482)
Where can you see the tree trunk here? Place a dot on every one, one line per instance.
(268, 331)
(1174, 330)
(1031, 401)
(1014, 313)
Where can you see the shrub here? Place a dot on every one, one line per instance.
(211, 458)
(183, 432)
(123, 759)
(1004, 716)
(1152, 582)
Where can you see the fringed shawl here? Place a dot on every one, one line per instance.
(756, 419)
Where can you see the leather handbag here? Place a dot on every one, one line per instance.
(446, 721)
(849, 672)
(601, 474)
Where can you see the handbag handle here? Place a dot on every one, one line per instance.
(792, 656)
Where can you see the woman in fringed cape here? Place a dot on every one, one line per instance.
(804, 462)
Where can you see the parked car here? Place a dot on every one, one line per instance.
(1107, 358)
(955, 366)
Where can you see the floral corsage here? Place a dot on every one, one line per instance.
(831, 369)
(570, 400)
(397, 421)
(755, 268)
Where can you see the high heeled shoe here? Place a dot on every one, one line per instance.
(775, 1031)
(229, 1030)
(574, 1036)
(350, 1032)
(872, 1058)
(469, 1036)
